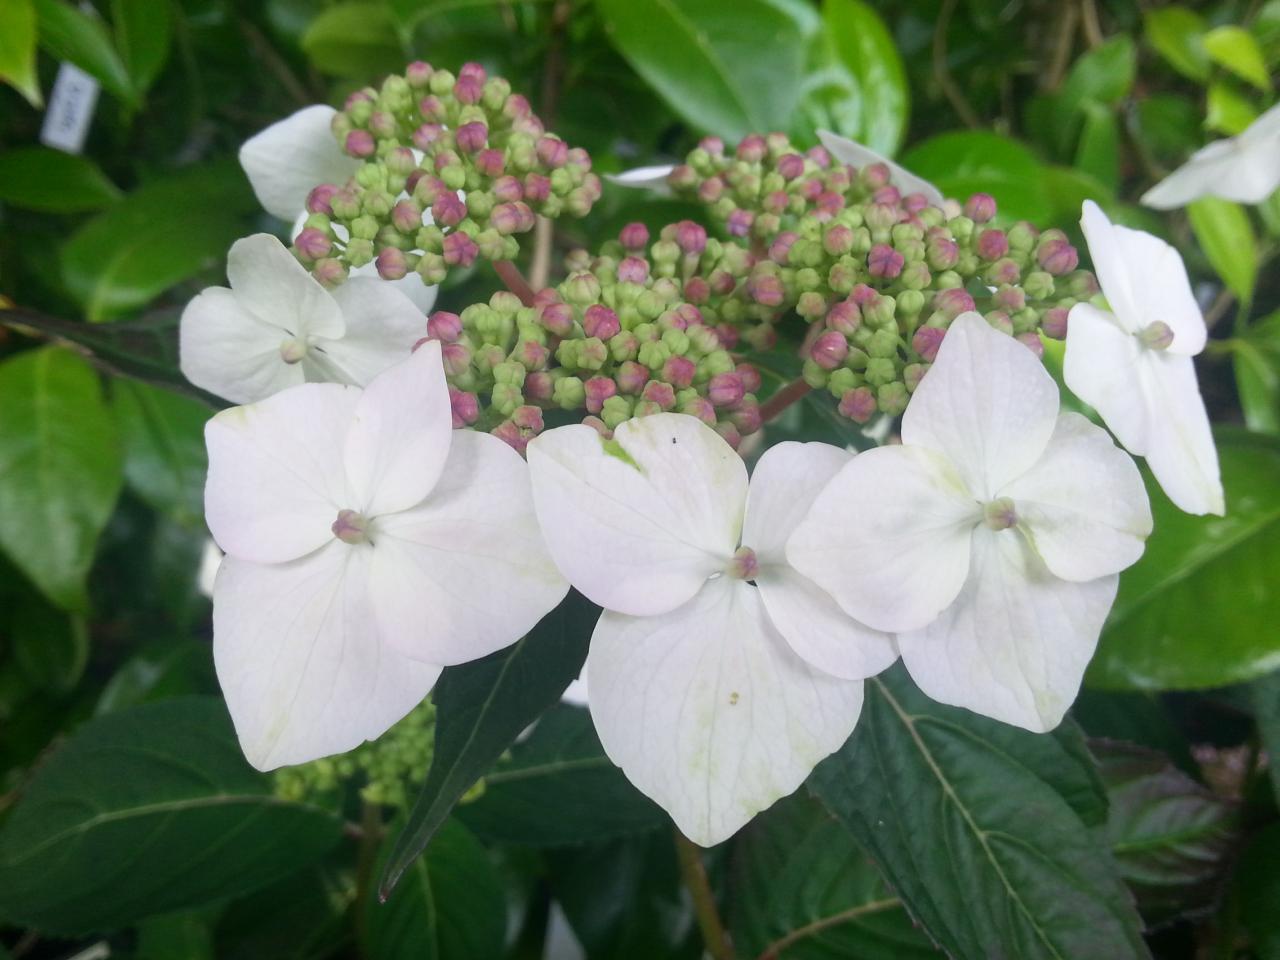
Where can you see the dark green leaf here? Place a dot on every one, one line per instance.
(354, 39)
(729, 70)
(558, 787)
(965, 163)
(481, 707)
(863, 45)
(1103, 75)
(1265, 693)
(1172, 839)
(1177, 34)
(1223, 230)
(449, 905)
(143, 31)
(803, 890)
(155, 237)
(50, 647)
(51, 181)
(1258, 890)
(18, 49)
(60, 469)
(302, 917)
(1257, 367)
(145, 811)
(969, 821)
(1199, 609)
(175, 936)
(79, 37)
(160, 671)
(163, 436)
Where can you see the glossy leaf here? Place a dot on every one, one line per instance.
(143, 30)
(1223, 230)
(51, 181)
(863, 45)
(146, 811)
(1265, 696)
(354, 39)
(1229, 112)
(802, 889)
(163, 437)
(728, 70)
(50, 646)
(18, 49)
(977, 826)
(1258, 891)
(1257, 367)
(301, 917)
(159, 235)
(1199, 609)
(72, 34)
(1234, 49)
(1098, 152)
(1172, 839)
(558, 787)
(60, 469)
(965, 163)
(481, 707)
(1177, 33)
(1103, 75)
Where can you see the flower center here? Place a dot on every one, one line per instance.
(351, 527)
(291, 351)
(999, 514)
(743, 565)
(1156, 336)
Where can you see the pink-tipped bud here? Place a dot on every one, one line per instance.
(696, 289)
(1004, 271)
(600, 321)
(312, 244)
(432, 108)
(532, 355)
(858, 404)
(926, 342)
(472, 137)
(890, 196)
(512, 436)
(701, 408)
(537, 187)
(710, 190)
(739, 223)
(406, 216)
(659, 393)
(557, 319)
(539, 385)
(460, 250)
(1054, 323)
(506, 218)
(508, 189)
(319, 197)
(885, 262)
(418, 74)
(473, 71)
(747, 418)
(553, 152)
(829, 350)
(632, 377)
(837, 240)
(726, 389)
(448, 210)
(359, 143)
(992, 244)
(781, 246)
(765, 289)
(828, 204)
(444, 326)
(980, 207)
(844, 318)
(679, 372)
(790, 166)
(464, 406)
(864, 295)
(633, 270)
(1156, 336)
(391, 264)
(750, 377)
(1032, 342)
(1010, 299)
(516, 107)
(634, 236)
(598, 390)
(528, 418)
(490, 162)
(953, 302)
(456, 358)
(752, 148)
(691, 237)
(1057, 256)
(468, 90)
(329, 272)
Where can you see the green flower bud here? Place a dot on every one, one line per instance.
(884, 343)
(892, 398)
(616, 411)
(880, 370)
(569, 393)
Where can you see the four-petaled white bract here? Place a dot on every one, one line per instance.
(288, 159)
(277, 327)
(367, 545)
(990, 540)
(1244, 168)
(700, 689)
(1133, 364)
(856, 155)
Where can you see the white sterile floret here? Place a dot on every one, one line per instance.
(293, 156)
(277, 327)
(651, 178)
(990, 539)
(700, 689)
(1245, 168)
(855, 154)
(367, 545)
(1132, 362)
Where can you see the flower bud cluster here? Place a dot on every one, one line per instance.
(614, 340)
(453, 169)
(390, 768)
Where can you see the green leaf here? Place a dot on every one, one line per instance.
(1177, 34)
(1257, 884)
(481, 707)
(728, 69)
(1257, 367)
(969, 162)
(355, 39)
(50, 647)
(1199, 609)
(60, 469)
(1172, 839)
(302, 917)
(143, 30)
(558, 787)
(1234, 49)
(160, 671)
(449, 905)
(1104, 75)
(864, 47)
(1098, 151)
(971, 824)
(1223, 230)
(18, 49)
(164, 454)
(802, 889)
(37, 178)
(1228, 111)
(175, 936)
(146, 811)
(69, 33)
(155, 237)
(1265, 694)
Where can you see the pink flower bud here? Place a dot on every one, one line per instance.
(819, 156)
(506, 218)
(701, 408)
(329, 272)
(553, 152)
(312, 244)
(747, 418)
(473, 71)
(472, 137)
(731, 434)
(781, 246)
(739, 223)
(765, 289)
(359, 143)
(889, 195)
(391, 264)
(632, 377)
(600, 321)
(528, 418)
(790, 166)
(468, 90)
(448, 210)
(752, 148)
(444, 326)
(460, 250)
(679, 372)
(844, 318)
(382, 124)
(1032, 342)
(1054, 323)
(1004, 271)
(464, 406)
(884, 261)
(1010, 299)
(829, 350)
(512, 436)
(710, 190)
(926, 342)
(829, 203)
(532, 355)
(319, 197)
(750, 377)
(691, 237)
(874, 176)
(516, 106)
(728, 336)
(418, 74)
(953, 302)
(634, 236)
(696, 289)
(713, 146)
(864, 295)
(1057, 256)
(406, 216)
(858, 404)
(980, 207)
(490, 162)
(726, 389)
(432, 108)
(537, 187)
(557, 319)
(428, 189)
(599, 389)
(456, 358)
(837, 240)
(539, 385)
(659, 393)
(633, 270)
(914, 202)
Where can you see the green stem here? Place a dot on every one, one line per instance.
(694, 874)
(774, 950)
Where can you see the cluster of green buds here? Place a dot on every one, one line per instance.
(452, 169)
(389, 769)
(615, 339)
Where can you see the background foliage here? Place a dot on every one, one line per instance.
(1147, 824)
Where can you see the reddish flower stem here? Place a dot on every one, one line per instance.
(793, 391)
